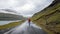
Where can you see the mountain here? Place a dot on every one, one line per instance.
(4, 15)
(49, 18)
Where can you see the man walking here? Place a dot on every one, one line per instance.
(29, 21)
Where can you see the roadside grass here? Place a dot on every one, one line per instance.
(48, 19)
(11, 25)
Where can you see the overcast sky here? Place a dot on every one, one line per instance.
(25, 7)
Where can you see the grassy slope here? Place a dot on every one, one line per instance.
(49, 18)
(10, 25)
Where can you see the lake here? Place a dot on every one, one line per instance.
(7, 22)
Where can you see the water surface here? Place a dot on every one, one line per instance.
(7, 22)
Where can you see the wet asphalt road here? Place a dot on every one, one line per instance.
(26, 29)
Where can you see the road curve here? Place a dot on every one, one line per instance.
(25, 29)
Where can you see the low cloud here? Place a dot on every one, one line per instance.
(25, 7)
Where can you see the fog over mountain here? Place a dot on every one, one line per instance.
(9, 11)
(6, 14)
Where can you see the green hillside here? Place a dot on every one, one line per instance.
(49, 18)
(7, 16)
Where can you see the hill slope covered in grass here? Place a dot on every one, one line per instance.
(7, 16)
(49, 18)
